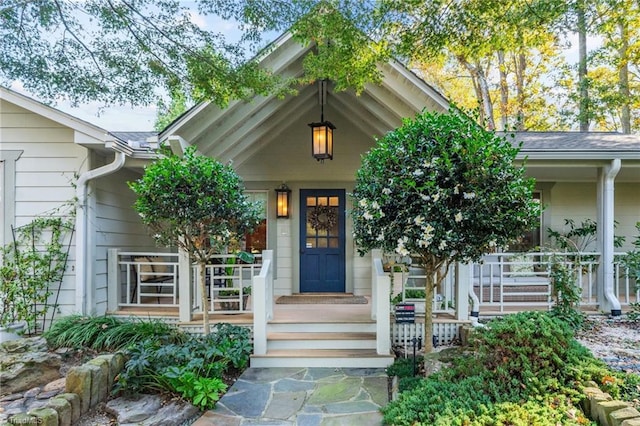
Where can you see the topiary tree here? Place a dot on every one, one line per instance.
(197, 204)
(443, 189)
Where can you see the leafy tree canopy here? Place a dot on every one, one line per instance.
(129, 51)
(194, 202)
(442, 187)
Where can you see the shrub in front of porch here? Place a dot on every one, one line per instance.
(199, 369)
(442, 189)
(197, 204)
(526, 368)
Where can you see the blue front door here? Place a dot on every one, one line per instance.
(322, 260)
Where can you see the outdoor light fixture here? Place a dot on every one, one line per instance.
(282, 201)
(322, 132)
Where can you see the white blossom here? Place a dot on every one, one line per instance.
(380, 237)
(436, 197)
(458, 217)
(386, 191)
(418, 220)
(363, 202)
(418, 172)
(367, 215)
(375, 205)
(492, 244)
(443, 245)
(425, 197)
(456, 189)
(469, 195)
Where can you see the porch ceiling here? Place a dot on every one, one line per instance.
(244, 127)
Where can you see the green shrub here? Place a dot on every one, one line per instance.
(103, 333)
(523, 354)
(193, 369)
(438, 402)
(518, 372)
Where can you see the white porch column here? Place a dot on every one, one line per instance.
(114, 286)
(382, 284)
(462, 291)
(185, 289)
(606, 185)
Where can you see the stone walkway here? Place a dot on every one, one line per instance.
(302, 397)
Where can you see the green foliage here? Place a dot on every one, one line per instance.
(579, 238)
(441, 186)
(32, 269)
(203, 392)
(194, 202)
(106, 333)
(442, 189)
(521, 369)
(566, 294)
(192, 368)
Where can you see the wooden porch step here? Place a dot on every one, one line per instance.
(352, 358)
(321, 327)
(305, 341)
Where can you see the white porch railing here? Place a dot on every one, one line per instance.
(514, 280)
(229, 284)
(150, 279)
(263, 306)
(143, 278)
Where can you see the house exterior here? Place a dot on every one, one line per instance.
(48, 158)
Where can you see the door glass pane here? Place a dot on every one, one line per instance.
(311, 242)
(334, 201)
(333, 243)
(322, 243)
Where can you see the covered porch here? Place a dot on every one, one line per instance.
(342, 335)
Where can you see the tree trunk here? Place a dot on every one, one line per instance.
(583, 89)
(204, 298)
(482, 91)
(623, 78)
(521, 67)
(504, 91)
(428, 310)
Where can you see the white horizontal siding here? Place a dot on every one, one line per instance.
(115, 225)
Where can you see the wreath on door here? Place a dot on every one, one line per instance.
(323, 218)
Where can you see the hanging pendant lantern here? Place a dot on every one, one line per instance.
(322, 132)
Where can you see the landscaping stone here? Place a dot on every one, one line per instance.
(64, 410)
(99, 380)
(20, 371)
(74, 402)
(133, 410)
(46, 416)
(327, 393)
(285, 404)
(619, 416)
(605, 408)
(79, 382)
(631, 422)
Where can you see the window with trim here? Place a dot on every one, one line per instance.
(256, 241)
(530, 240)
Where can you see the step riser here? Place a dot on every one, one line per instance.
(277, 362)
(321, 328)
(320, 344)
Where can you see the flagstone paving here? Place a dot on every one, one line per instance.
(302, 397)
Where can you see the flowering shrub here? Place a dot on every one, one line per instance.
(443, 189)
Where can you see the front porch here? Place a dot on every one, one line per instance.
(339, 335)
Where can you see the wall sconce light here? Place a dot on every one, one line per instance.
(322, 132)
(282, 201)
